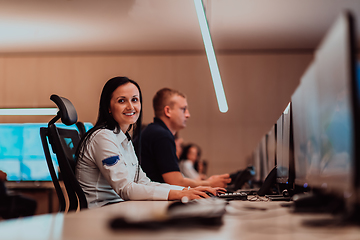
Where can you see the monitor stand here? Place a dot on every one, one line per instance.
(285, 196)
(269, 182)
(315, 202)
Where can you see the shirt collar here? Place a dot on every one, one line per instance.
(121, 136)
(162, 124)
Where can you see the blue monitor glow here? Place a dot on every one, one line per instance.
(10, 151)
(21, 152)
(337, 169)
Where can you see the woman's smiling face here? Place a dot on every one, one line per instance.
(125, 105)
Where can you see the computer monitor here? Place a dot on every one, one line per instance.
(21, 152)
(11, 150)
(271, 148)
(338, 171)
(285, 162)
(267, 156)
(263, 159)
(279, 139)
(257, 163)
(305, 127)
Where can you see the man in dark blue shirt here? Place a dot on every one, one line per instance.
(158, 150)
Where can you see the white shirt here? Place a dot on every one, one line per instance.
(107, 169)
(188, 170)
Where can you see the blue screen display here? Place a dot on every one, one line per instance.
(22, 154)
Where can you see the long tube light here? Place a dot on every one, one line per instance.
(214, 69)
(28, 111)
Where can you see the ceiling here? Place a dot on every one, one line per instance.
(164, 25)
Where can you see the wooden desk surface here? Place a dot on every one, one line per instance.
(41, 191)
(29, 185)
(243, 220)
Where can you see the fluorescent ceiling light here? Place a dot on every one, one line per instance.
(27, 111)
(214, 69)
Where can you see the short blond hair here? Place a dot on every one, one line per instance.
(162, 99)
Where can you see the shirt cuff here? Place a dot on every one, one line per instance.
(175, 187)
(161, 193)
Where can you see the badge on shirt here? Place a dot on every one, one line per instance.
(111, 161)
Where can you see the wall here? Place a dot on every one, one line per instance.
(258, 87)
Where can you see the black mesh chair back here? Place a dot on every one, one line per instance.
(81, 127)
(64, 143)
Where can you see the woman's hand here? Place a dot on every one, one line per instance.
(194, 193)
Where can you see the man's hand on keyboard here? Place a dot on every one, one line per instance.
(219, 180)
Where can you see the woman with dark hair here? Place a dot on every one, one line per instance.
(107, 167)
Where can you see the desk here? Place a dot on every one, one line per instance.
(31, 188)
(243, 220)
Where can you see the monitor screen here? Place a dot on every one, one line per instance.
(271, 148)
(257, 163)
(299, 136)
(263, 159)
(21, 151)
(11, 150)
(279, 140)
(305, 127)
(283, 162)
(334, 170)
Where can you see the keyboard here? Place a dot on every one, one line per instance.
(233, 196)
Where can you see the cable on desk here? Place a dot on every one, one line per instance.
(258, 199)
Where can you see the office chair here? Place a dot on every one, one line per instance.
(64, 143)
(81, 127)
